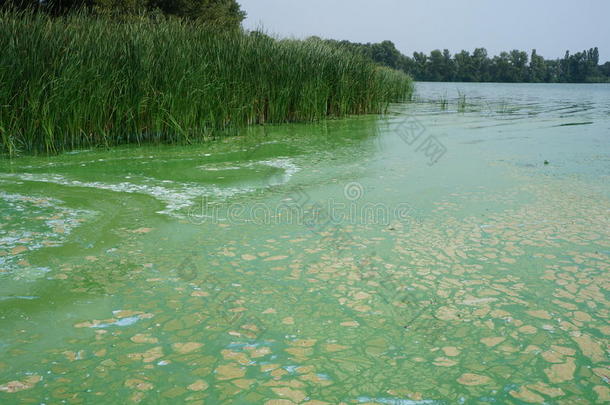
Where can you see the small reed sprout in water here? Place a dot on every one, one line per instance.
(81, 81)
(461, 102)
(503, 108)
(443, 102)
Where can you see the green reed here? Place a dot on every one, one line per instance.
(82, 81)
(462, 104)
(443, 102)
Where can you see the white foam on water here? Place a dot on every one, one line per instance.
(174, 199)
(70, 218)
(285, 164)
(218, 168)
(397, 401)
(177, 197)
(42, 222)
(76, 152)
(19, 297)
(38, 201)
(31, 273)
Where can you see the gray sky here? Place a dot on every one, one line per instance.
(550, 26)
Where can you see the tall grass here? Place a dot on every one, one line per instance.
(81, 81)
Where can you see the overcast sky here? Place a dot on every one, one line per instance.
(550, 26)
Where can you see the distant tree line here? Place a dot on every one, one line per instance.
(514, 66)
(226, 13)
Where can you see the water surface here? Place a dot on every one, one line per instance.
(428, 256)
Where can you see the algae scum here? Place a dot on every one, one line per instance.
(425, 257)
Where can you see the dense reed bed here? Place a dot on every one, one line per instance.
(82, 81)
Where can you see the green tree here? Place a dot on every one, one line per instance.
(464, 68)
(538, 69)
(500, 68)
(553, 69)
(406, 64)
(386, 54)
(224, 13)
(592, 64)
(52, 6)
(436, 68)
(518, 63)
(420, 62)
(119, 7)
(604, 71)
(448, 66)
(514, 66)
(480, 65)
(564, 68)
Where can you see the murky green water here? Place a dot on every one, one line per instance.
(426, 257)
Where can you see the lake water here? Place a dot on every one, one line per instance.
(434, 255)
